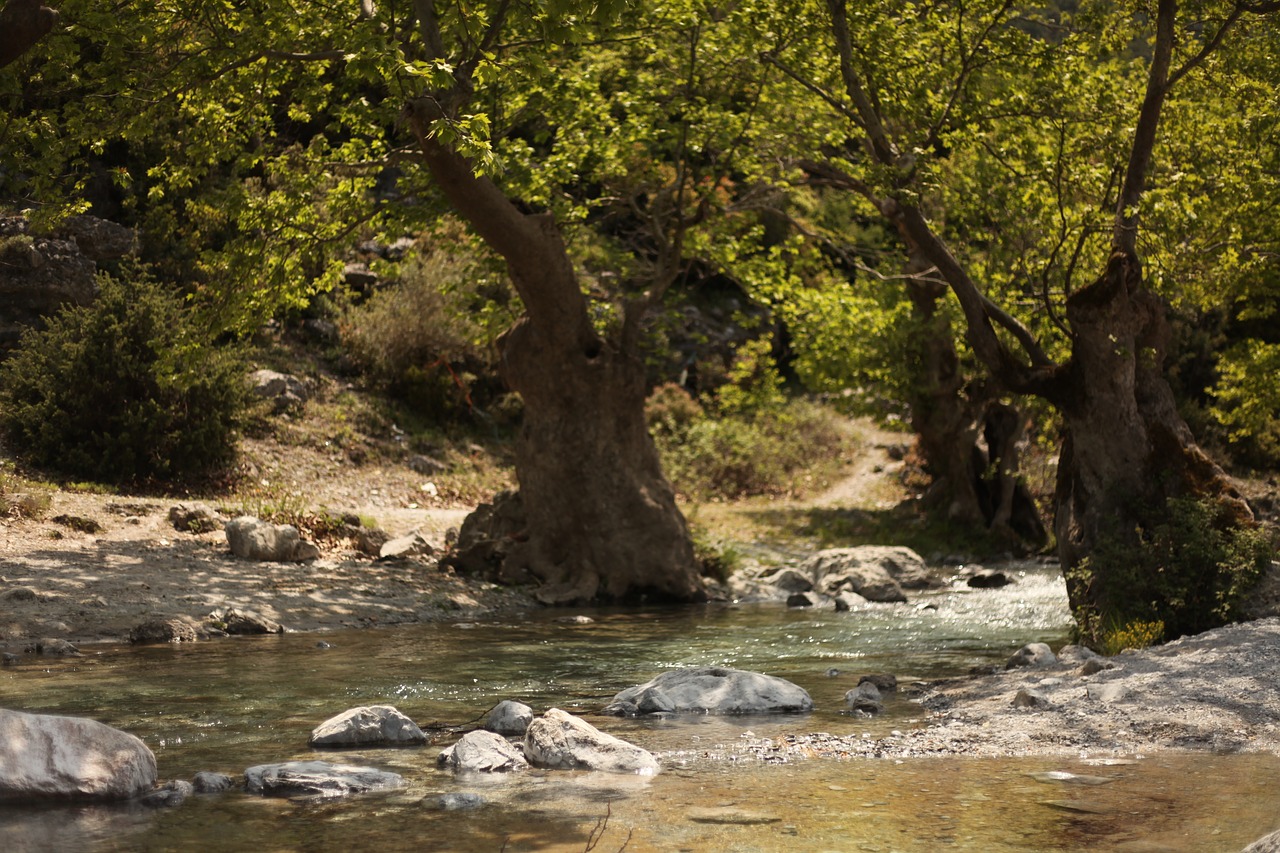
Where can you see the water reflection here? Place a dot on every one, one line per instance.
(230, 704)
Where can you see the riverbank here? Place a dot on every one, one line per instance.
(1214, 692)
(94, 567)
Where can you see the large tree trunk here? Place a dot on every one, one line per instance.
(602, 522)
(1126, 452)
(602, 519)
(967, 438)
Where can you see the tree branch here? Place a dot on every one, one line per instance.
(1125, 233)
(869, 118)
(832, 101)
(1209, 47)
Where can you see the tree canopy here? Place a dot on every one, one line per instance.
(1050, 179)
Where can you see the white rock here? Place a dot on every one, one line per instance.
(560, 741)
(368, 724)
(44, 756)
(482, 752)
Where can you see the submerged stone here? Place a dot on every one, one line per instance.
(318, 779)
(713, 690)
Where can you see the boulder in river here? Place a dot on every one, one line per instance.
(209, 782)
(904, 567)
(167, 795)
(804, 599)
(318, 779)
(368, 725)
(846, 601)
(1033, 655)
(47, 757)
(789, 579)
(712, 690)
(509, 718)
(864, 699)
(559, 741)
(482, 752)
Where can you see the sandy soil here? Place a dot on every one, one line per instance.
(60, 582)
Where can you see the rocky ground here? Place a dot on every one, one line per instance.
(96, 567)
(1213, 692)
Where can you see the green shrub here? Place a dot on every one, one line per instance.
(426, 337)
(126, 390)
(748, 439)
(1247, 402)
(1188, 572)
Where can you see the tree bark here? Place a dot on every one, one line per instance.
(967, 438)
(1126, 450)
(602, 521)
(22, 24)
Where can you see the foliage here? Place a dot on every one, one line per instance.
(1247, 401)
(126, 390)
(1137, 634)
(1189, 571)
(22, 498)
(754, 386)
(718, 557)
(425, 335)
(749, 438)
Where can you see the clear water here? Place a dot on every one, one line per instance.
(230, 704)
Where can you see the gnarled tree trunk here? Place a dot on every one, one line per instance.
(967, 438)
(1127, 452)
(602, 522)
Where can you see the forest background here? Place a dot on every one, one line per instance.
(996, 225)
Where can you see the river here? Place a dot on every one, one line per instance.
(229, 704)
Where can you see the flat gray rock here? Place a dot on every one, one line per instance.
(318, 779)
(712, 690)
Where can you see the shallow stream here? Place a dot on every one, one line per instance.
(229, 704)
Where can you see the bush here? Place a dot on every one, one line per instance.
(426, 336)
(124, 391)
(1185, 574)
(748, 439)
